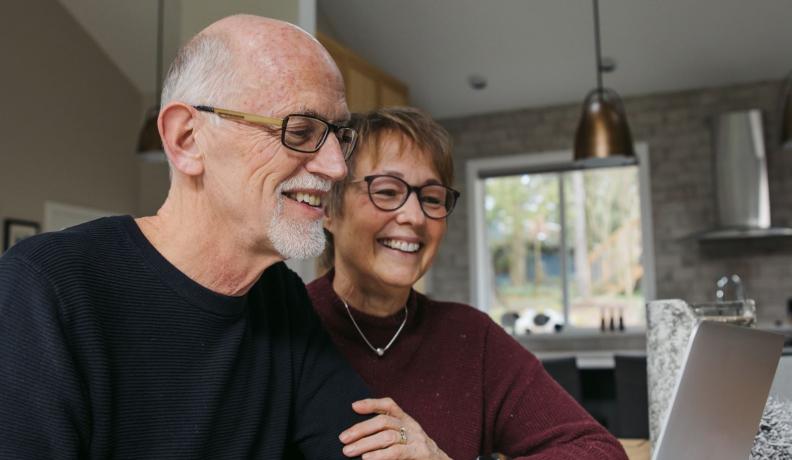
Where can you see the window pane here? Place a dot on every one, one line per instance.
(523, 234)
(604, 243)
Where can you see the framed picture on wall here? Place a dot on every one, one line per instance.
(15, 230)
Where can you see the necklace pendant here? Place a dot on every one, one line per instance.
(379, 351)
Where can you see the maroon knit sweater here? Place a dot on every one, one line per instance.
(470, 386)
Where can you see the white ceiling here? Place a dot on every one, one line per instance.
(533, 52)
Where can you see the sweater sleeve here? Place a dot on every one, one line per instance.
(42, 410)
(327, 387)
(531, 416)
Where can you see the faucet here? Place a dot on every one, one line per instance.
(724, 283)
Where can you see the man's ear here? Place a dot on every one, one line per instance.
(177, 122)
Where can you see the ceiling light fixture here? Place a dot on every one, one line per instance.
(603, 136)
(786, 116)
(149, 146)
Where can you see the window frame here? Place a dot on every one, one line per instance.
(479, 169)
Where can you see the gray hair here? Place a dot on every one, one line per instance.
(203, 72)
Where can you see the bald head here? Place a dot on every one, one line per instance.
(248, 177)
(250, 62)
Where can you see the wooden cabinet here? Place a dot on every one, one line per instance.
(367, 87)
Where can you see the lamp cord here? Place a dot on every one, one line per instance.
(160, 14)
(597, 44)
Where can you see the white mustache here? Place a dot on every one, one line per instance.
(305, 181)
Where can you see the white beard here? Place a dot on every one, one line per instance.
(293, 238)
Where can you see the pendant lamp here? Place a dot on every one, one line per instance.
(786, 115)
(603, 136)
(149, 146)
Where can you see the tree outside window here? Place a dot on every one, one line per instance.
(568, 243)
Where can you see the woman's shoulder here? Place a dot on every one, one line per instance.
(454, 311)
(476, 327)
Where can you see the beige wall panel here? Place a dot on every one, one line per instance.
(69, 130)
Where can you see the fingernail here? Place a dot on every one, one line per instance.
(349, 451)
(343, 436)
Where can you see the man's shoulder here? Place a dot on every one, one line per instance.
(57, 250)
(280, 283)
(43, 270)
(280, 269)
(279, 277)
(284, 295)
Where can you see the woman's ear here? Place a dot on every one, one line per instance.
(328, 219)
(177, 122)
(328, 223)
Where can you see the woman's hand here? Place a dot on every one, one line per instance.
(390, 435)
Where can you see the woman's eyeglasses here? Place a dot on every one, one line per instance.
(389, 193)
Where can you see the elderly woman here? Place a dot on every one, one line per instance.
(468, 387)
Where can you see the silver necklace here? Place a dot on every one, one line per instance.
(377, 350)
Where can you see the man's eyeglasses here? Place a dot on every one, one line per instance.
(389, 193)
(301, 133)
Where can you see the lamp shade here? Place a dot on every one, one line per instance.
(603, 133)
(149, 143)
(786, 116)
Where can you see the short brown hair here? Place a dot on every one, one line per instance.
(415, 126)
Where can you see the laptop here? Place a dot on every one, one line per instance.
(720, 394)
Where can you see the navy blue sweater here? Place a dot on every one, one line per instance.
(107, 350)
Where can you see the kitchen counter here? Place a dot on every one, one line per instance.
(585, 340)
(595, 349)
(586, 359)
(592, 347)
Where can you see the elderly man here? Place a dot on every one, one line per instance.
(183, 335)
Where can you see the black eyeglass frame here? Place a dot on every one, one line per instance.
(410, 189)
(281, 123)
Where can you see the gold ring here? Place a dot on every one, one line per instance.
(402, 435)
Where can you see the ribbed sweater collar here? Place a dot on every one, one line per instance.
(182, 284)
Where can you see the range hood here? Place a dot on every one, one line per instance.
(742, 195)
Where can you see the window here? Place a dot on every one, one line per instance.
(571, 245)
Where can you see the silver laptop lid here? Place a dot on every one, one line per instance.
(720, 393)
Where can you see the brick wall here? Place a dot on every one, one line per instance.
(677, 129)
